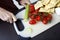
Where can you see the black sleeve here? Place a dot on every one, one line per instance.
(8, 5)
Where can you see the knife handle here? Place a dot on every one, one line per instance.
(19, 25)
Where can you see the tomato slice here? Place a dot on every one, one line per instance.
(49, 17)
(38, 18)
(45, 21)
(36, 11)
(32, 21)
(32, 8)
(32, 16)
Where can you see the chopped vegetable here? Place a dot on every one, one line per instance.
(26, 12)
(45, 21)
(32, 21)
(32, 8)
(38, 18)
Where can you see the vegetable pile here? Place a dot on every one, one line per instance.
(35, 16)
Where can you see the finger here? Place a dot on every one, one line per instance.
(10, 20)
(22, 3)
(28, 2)
(2, 17)
(13, 17)
(25, 2)
(5, 16)
(8, 17)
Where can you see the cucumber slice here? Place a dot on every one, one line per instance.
(26, 13)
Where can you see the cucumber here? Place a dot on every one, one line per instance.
(26, 17)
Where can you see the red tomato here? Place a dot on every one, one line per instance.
(32, 8)
(37, 10)
(49, 17)
(38, 18)
(32, 16)
(29, 14)
(34, 13)
(43, 14)
(32, 21)
(45, 21)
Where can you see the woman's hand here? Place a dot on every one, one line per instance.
(24, 2)
(7, 16)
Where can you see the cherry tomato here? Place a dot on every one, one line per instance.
(49, 17)
(29, 14)
(45, 21)
(38, 18)
(34, 13)
(32, 16)
(43, 14)
(32, 21)
(32, 8)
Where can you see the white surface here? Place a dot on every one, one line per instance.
(40, 27)
(33, 30)
(57, 11)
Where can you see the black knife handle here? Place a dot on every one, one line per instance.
(19, 25)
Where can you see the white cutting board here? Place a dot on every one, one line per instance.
(33, 30)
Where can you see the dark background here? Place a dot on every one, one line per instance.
(7, 32)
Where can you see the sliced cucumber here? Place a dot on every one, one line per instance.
(26, 13)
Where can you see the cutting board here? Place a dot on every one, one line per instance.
(34, 30)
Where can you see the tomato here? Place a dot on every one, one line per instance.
(49, 17)
(32, 8)
(38, 18)
(34, 13)
(42, 15)
(32, 16)
(29, 14)
(32, 21)
(45, 21)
